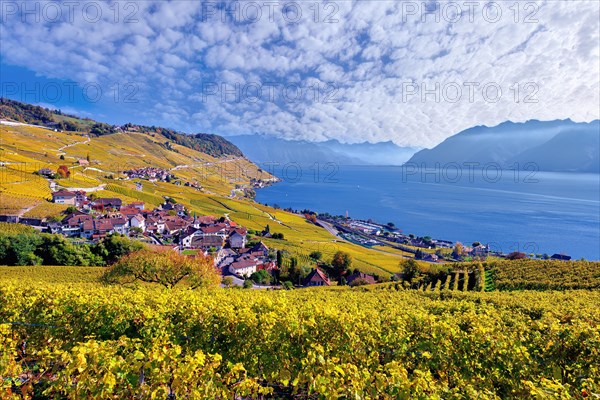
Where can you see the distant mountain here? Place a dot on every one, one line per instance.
(210, 144)
(560, 146)
(262, 148)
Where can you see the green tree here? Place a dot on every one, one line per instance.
(316, 255)
(113, 247)
(410, 270)
(341, 263)
(70, 210)
(248, 284)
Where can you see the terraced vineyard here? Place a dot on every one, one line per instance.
(85, 340)
(545, 275)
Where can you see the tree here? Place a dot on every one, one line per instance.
(261, 277)
(391, 225)
(87, 157)
(458, 250)
(294, 271)
(316, 255)
(279, 259)
(475, 244)
(165, 267)
(410, 270)
(113, 247)
(341, 263)
(62, 157)
(63, 171)
(248, 284)
(70, 210)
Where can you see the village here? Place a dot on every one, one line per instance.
(172, 225)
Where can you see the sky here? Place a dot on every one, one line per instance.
(411, 72)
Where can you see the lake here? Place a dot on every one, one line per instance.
(533, 212)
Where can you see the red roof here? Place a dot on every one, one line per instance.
(63, 193)
(317, 276)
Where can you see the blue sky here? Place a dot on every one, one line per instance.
(347, 70)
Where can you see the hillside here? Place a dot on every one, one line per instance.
(26, 149)
(11, 110)
(560, 146)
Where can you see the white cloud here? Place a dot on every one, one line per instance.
(174, 48)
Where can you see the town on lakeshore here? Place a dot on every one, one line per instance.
(89, 218)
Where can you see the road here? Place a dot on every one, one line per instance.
(327, 226)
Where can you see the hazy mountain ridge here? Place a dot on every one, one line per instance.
(558, 146)
(263, 148)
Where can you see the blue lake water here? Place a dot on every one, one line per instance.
(539, 212)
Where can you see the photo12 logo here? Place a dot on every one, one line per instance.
(251, 12)
(69, 11)
(454, 12)
(469, 172)
(69, 92)
(254, 92)
(294, 172)
(455, 92)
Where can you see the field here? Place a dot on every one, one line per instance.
(86, 340)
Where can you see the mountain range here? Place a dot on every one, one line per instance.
(558, 146)
(264, 148)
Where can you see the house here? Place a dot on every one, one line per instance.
(316, 278)
(429, 257)
(129, 211)
(243, 267)
(260, 249)
(174, 226)
(224, 257)
(137, 221)
(80, 197)
(480, 250)
(72, 223)
(208, 242)
(214, 230)
(561, 257)
(266, 232)
(64, 197)
(137, 204)
(102, 204)
(120, 225)
(155, 223)
(237, 241)
(45, 172)
(83, 162)
(188, 235)
(359, 277)
(97, 228)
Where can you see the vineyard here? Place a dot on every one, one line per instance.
(85, 340)
(546, 275)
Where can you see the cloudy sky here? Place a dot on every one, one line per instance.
(355, 71)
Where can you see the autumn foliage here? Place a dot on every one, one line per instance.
(166, 267)
(63, 171)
